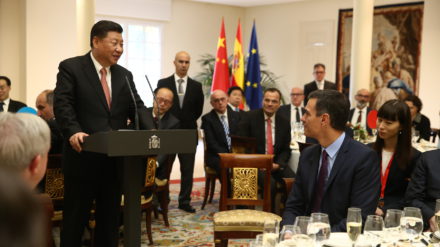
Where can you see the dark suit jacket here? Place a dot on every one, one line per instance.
(168, 121)
(252, 125)
(14, 105)
(354, 181)
(192, 102)
(215, 135)
(80, 105)
(285, 110)
(350, 116)
(56, 138)
(398, 182)
(311, 86)
(424, 187)
(423, 125)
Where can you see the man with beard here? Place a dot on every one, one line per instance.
(358, 115)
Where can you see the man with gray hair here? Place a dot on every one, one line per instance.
(24, 145)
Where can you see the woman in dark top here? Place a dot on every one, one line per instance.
(398, 157)
(420, 122)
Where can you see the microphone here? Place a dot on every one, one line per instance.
(155, 100)
(136, 117)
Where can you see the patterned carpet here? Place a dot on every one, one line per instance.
(187, 229)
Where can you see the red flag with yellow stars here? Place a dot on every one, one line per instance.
(220, 79)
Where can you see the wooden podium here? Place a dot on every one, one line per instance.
(134, 145)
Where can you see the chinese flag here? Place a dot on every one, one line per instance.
(220, 79)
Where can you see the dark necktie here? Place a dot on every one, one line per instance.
(1, 106)
(359, 117)
(320, 183)
(156, 122)
(298, 118)
(180, 93)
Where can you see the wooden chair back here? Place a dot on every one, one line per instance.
(243, 145)
(242, 171)
(54, 180)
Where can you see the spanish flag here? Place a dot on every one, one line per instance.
(238, 63)
(220, 79)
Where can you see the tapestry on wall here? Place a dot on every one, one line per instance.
(396, 46)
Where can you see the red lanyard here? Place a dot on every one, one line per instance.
(384, 178)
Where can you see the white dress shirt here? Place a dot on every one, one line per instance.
(6, 104)
(98, 68)
(356, 115)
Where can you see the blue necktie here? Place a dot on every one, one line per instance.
(226, 128)
(320, 183)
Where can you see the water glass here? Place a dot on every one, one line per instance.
(270, 232)
(354, 224)
(392, 226)
(373, 229)
(319, 227)
(302, 222)
(357, 135)
(287, 234)
(411, 222)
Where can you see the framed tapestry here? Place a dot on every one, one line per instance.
(396, 45)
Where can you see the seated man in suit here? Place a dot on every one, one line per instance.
(159, 117)
(6, 103)
(24, 145)
(424, 187)
(420, 122)
(358, 115)
(235, 95)
(219, 124)
(44, 104)
(271, 132)
(293, 111)
(319, 83)
(336, 174)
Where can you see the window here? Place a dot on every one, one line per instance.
(142, 53)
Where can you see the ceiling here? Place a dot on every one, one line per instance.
(248, 3)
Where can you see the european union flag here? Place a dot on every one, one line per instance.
(253, 90)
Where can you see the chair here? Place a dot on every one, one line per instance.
(433, 134)
(243, 145)
(210, 175)
(162, 191)
(242, 189)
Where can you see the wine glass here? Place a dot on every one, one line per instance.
(319, 227)
(302, 222)
(286, 235)
(437, 214)
(354, 224)
(392, 225)
(258, 240)
(270, 232)
(373, 228)
(411, 222)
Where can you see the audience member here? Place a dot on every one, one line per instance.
(293, 111)
(24, 145)
(6, 103)
(235, 95)
(359, 114)
(219, 124)
(420, 122)
(187, 107)
(424, 187)
(92, 95)
(397, 157)
(336, 174)
(159, 117)
(319, 83)
(21, 215)
(270, 128)
(44, 104)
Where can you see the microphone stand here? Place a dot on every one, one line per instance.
(155, 100)
(136, 117)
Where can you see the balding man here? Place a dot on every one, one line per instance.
(293, 111)
(358, 115)
(24, 145)
(219, 124)
(187, 107)
(44, 104)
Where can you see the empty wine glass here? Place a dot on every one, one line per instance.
(270, 232)
(373, 229)
(392, 226)
(411, 222)
(302, 222)
(437, 214)
(286, 235)
(354, 224)
(319, 227)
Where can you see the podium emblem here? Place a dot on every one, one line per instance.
(154, 142)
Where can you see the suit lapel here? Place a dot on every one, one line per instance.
(218, 126)
(314, 166)
(93, 78)
(118, 82)
(188, 91)
(339, 162)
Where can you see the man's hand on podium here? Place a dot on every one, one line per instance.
(76, 140)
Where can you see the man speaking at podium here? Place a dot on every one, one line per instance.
(92, 95)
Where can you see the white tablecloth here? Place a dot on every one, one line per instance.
(293, 161)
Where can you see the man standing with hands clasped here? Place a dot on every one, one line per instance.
(92, 95)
